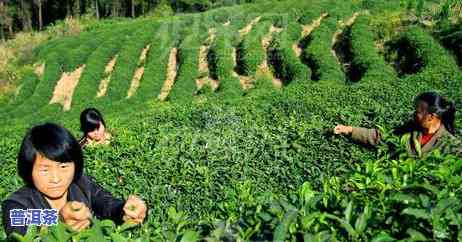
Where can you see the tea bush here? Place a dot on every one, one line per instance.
(323, 64)
(185, 84)
(222, 63)
(127, 62)
(251, 49)
(89, 82)
(285, 63)
(365, 54)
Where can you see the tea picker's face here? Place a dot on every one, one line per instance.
(422, 116)
(52, 178)
(97, 134)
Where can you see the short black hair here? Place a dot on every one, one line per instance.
(90, 119)
(53, 142)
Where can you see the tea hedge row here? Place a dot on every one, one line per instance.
(222, 63)
(318, 53)
(89, 82)
(25, 90)
(434, 56)
(251, 50)
(59, 61)
(365, 53)
(188, 57)
(127, 62)
(287, 66)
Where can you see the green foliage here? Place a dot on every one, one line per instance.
(56, 62)
(381, 199)
(127, 62)
(285, 63)
(222, 63)
(251, 50)
(23, 92)
(43, 91)
(188, 55)
(155, 70)
(417, 48)
(450, 36)
(366, 58)
(163, 9)
(89, 82)
(323, 64)
(78, 56)
(434, 55)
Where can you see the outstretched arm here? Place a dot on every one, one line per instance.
(359, 134)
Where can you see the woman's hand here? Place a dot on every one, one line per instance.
(76, 214)
(134, 209)
(342, 129)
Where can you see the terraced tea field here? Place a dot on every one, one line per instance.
(222, 122)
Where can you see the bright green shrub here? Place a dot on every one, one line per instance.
(287, 66)
(156, 67)
(127, 62)
(89, 82)
(436, 66)
(318, 53)
(28, 84)
(44, 89)
(221, 63)
(267, 166)
(188, 55)
(365, 55)
(251, 49)
(24, 91)
(432, 53)
(450, 36)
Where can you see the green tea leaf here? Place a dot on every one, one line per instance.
(362, 220)
(348, 211)
(347, 226)
(416, 235)
(190, 236)
(126, 226)
(383, 237)
(118, 238)
(418, 213)
(281, 232)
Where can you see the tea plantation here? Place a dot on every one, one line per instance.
(226, 129)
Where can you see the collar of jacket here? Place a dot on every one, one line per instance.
(434, 142)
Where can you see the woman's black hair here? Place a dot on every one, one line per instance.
(441, 107)
(90, 119)
(53, 142)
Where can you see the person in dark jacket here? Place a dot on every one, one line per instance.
(93, 127)
(50, 162)
(433, 127)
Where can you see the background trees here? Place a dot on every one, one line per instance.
(27, 15)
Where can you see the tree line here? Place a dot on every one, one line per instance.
(28, 15)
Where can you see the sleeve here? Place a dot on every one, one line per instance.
(7, 206)
(103, 204)
(366, 136)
